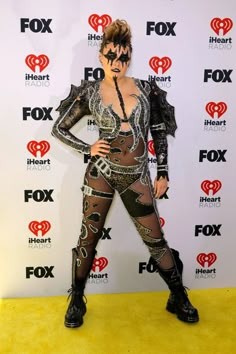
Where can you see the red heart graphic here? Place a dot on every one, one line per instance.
(95, 21)
(36, 227)
(209, 258)
(101, 263)
(213, 186)
(217, 24)
(40, 148)
(151, 147)
(213, 108)
(33, 61)
(157, 63)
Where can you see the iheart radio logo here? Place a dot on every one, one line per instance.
(217, 24)
(38, 148)
(33, 61)
(162, 221)
(95, 21)
(99, 263)
(218, 109)
(157, 63)
(204, 258)
(36, 227)
(151, 147)
(213, 186)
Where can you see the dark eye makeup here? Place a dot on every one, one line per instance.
(111, 56)
(124, 58)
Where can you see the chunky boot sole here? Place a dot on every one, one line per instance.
(73, 324)
(170, 307)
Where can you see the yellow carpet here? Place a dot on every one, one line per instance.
(120, 324)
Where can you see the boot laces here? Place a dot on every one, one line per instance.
(185, 295)
(74, 291)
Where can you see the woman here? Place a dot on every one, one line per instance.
(124, 109)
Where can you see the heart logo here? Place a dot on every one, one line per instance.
(217, 24)
(33, 61)
(36, 227)
(218, 109)
(204, 258)
(213, 186)
(99, 263)
(157, 63)
(38, 148)
(151, 147)
(95, 21)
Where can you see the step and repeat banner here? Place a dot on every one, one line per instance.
(188, 48)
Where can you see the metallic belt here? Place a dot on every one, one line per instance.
(106, 167)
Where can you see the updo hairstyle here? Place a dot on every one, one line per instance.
(117, 32)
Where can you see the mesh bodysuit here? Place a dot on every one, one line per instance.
(124, 169)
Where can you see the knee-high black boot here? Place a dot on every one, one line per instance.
(178, 301)
(77, 306)
(170, 306)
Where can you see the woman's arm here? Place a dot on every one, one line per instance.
(162, 123)
(71, 110)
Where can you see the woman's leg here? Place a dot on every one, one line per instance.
(140, 203)
(97, 199)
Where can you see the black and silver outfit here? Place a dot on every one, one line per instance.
(125, 170)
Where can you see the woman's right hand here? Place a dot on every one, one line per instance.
(100, 148)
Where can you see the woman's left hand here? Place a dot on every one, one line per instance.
(160, 186)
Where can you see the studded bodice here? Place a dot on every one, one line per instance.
(152, 111)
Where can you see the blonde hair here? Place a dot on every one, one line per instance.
(117, 32)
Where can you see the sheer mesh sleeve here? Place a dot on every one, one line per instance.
(162, 123)
(71, 110)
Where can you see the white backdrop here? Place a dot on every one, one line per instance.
(48, 46)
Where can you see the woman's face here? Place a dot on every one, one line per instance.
(115, 60)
